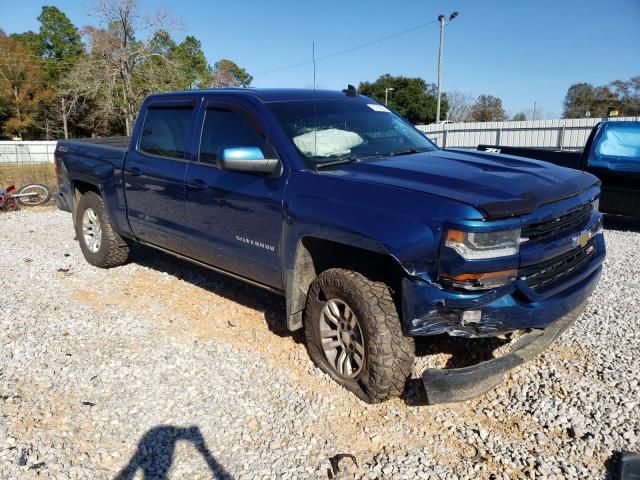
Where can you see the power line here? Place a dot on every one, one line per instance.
(25, 59)
(348, 50)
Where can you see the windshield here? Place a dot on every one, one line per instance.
(349, 129)
(618, 147)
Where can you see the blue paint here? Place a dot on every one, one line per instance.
(252, 225)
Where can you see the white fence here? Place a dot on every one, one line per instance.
(563, 134)
(27, 152)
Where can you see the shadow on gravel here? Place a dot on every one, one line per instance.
(271, 304)
(460, 352)
(625, 224)
(154, 455)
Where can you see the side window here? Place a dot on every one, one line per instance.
(228, 128)
(165, 131)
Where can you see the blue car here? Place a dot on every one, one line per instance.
(372, 234)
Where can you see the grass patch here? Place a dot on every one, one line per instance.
(20, 174)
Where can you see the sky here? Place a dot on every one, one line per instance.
(520, 51)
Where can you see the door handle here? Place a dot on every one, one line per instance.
(135, 172)
(197, 184)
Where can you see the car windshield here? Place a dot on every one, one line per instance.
(349, 129)
(618, 147)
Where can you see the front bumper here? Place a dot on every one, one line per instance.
(460, 384)
(429, 309)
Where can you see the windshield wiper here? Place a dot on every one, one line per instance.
(409, 151)
(349, 159)
(335, 162)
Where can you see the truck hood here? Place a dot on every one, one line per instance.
(497, 185)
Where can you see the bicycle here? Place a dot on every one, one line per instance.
(29, 196)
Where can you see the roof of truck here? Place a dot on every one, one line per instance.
(267, 94)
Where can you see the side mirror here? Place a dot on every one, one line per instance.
(246, 159)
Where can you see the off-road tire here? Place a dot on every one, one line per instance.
(113, 251)
(389, 355)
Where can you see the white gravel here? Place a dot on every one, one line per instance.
(167, 369)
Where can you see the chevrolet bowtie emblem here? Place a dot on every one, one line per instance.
(582, 239)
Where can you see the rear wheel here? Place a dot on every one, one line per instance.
(36, 194)
(100, 244)
(353, 333)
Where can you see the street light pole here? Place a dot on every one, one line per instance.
(442, 25)
(386, 94)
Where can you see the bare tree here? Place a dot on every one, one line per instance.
(539, 113)
(460, 104)
(124, 63)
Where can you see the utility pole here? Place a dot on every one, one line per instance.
(386, 94)
(442, 25)
(533, 117)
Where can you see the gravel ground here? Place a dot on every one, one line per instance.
(164, 369)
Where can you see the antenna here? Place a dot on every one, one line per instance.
(313, 56)
(315, 107)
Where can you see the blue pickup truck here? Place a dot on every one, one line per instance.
(373, 234)
(612, 153)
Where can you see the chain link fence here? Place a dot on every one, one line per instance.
(22, 163)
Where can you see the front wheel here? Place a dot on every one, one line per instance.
(100, 244)
(353, 333)
(32, 195)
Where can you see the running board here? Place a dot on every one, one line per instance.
(211, 267)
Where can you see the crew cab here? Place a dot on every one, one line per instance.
(611, 153)
(373, 234)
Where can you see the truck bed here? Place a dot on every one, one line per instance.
(563, 158)
(118, 143)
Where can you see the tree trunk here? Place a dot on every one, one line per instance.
(64, 119)
(126, 94)
(18, 115)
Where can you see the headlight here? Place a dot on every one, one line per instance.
(483, 245)
(596, 204)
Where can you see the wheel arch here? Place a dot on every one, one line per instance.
(80, 187)
(314, 254)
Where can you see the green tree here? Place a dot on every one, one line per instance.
(192, 68)
(598, 101)
(413, 98)
(196, 71)
(21, 86)
(60, 43)
(579, 100)
(628, 96)
(519, 117)
(31, 41)
(487, 109)
(54, 48)
(60, 47)
(226, 73)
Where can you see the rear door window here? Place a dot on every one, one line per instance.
(166, 131)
